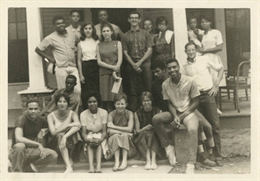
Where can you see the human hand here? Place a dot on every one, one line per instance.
(176, 122)
(115, 77)
(116, 68)
(43, 151)
(82, 79)
(196, 31)
(213, 92)
(62, 145)
(148, 127)
(200, 49)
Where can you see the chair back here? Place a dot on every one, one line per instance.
(243, 71)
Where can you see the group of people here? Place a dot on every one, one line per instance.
(112, 124)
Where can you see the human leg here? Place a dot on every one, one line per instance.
(98, 158)
(90, 159)
(133, 81)
(117, 155)
(74, 71)
(124, 160)
(61, 74)
(17, 157)
(208, 104)
(154, 164)
(148, 160)
(147, 75)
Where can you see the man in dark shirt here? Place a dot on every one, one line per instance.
(159, 72)
(25, 149)
(137, 46)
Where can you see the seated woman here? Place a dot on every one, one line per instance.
(94, 125)
(120, 126)
(147, 141)
(63, 124)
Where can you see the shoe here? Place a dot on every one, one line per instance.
(98, 171)
(190, 169)
(33, 167)
(115, 168)
(122, 168)
(219, 112)
(208, 162)
(170, 154)
(219, 163)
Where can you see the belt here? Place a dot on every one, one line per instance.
(204, 92)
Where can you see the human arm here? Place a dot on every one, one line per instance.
(82, 78)
(21, 139)
(137, 125)
(131, 62)
(176, 120)
(52, 129)
(146, 56)
(199, 36)
(44, 55)
(44, 110)
(173, 46)
(214, 90)
(127, 129)
(211, 50)
(103, 64)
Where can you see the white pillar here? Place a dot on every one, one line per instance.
(221, 26)
(180, 34)
(36, 72)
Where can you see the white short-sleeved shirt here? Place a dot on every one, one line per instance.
(200, 71)
(63, 47)
(89, 49)
(181, 94)
(212, 39)
(93, 122)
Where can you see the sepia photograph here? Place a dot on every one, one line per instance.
(114, 90)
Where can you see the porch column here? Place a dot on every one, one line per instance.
(221, 26)
(36, 72)
(180, 35)
(37, 88)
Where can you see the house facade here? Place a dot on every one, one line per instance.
(28, 26)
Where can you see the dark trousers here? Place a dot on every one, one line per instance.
(208, 108)
(21, 156)
(90, 71)
(139, 82)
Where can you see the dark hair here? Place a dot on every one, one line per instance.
(32, 100)
(93, 94)
(60, 95)
(120, 96)
(190, 43)
(148, 19)
(171, 61)
(72, 77)
(102, 10)
(113, 36)
(148, 94)
(206, 17)
(75, 11)
(158, 64)
(161, 19)
(192, 17)
(55, 18)
(83, 35)
(134, 12)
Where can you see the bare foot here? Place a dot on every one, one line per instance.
(71, 162)
(153, 166)
(69, 170)
(147, 166)
(91, 169)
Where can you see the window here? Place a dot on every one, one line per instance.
(17, 24)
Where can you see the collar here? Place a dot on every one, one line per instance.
(75, 29)
(64, 35)
(178, 82)
(137, 29)
(30, 119)
(189, 62)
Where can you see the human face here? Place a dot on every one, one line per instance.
(134, 20)
(120, 105)
(205, 24)
(173, 70)
(59, 25)
(102, 16)
(193, 24)
(70, 84)
(62, 104)
(162, 26)
(148, 25)
(158, 73)
(147, 102)
(191, 51)
(106, 32)
(92, 104)
(75, 17)
(88, 31)
(33, 110)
